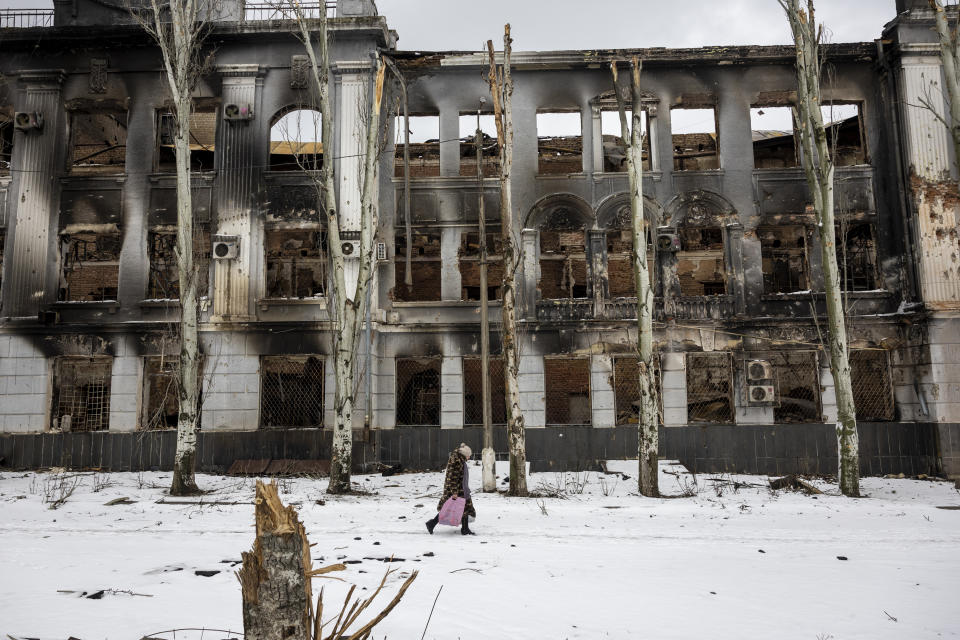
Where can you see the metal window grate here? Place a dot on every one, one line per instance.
(709, 388)
(626, 388)
(567, 382)
(798, 387)
(418, 392)
(81, 394)
(473, 392)
(291, 393)
(872, 387)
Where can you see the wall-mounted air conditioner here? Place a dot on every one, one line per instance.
(761, 394)
(757, 370)
(668, 242)
(350, 248)
(28, 120)
(226, 247)
(238, 112)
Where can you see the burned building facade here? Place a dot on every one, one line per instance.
(89, 279)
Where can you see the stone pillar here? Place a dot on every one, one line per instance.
(37, 156)
(601, 390)
(828, 392)
(673, 379)
(238, 182)
(527, 287)
(24, 385)
(533, 400)
(231, 375)
(450, 270)
(125, 392)
(596, 149)
(450, 142)
(599, 277)
(451, 393)
(735, 265)
(385, 388)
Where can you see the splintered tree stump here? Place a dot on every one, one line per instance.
(274, 580)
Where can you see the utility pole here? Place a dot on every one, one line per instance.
(488, 455)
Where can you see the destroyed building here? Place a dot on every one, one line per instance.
(88, 302)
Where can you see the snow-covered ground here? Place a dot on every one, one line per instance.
(730, 562)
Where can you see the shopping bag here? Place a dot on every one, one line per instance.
(452, 511)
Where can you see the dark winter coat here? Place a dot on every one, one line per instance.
(455, 483)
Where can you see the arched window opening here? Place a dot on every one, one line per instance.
(296, 141)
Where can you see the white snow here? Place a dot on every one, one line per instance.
(730, 562)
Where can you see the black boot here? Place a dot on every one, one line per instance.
(432, 523)
(464, 527)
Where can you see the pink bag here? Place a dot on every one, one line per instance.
(452, 511)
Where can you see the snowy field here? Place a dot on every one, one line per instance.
(732, 561)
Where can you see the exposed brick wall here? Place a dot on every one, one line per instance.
(567, 390)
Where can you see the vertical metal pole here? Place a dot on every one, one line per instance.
(488, 455)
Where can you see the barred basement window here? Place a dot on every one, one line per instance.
(872, 387)
(784, 254)
(626, 389)
(567, 382)
(161, 402)
(426, 265)
(98, 143)
(418, 392)
(709, 388)
(291, 392)
(164, 279)
(296, 263)
(473, 392)
(798, 387)
(81, 393)
(469, 262)
(90, 263)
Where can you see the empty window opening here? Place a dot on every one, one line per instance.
(709, 388)
(567, 383)
(3, 244)
(426, 266)
(774, 140)
(614, 148)
(844, 124)
(626, 389)
(424, 146)
(798, 387)
(98, 142)
(90, 263)
(856, 256)
(469, 262)
(81, 394)
(559, 142)
(622, 279)
(783, 252)
(872, 387)
(489, 145)
(203, 130)
(694, 134)
(473, 392)
(291, 391)
(296, 263)
(563, 263)
(418, 392)
(6, 144)
(700, 262)
(161, 389)
(296, 141)
(164, 279)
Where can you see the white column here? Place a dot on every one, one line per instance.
(601, 388)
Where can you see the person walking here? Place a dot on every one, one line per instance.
(457, 483)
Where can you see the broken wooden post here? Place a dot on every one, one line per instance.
(274, 580)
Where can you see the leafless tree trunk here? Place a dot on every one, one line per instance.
(347, 308)
(179, 29)
(819, 167)
(501, 88)
(488, 455)
(633, 139)
(950, 55)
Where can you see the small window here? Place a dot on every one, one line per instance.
(426, 266)
(296, 141)
(567, 383)
(164, 280)
(856, 256)
(844, 124)
(291, 393)
(203, 130)
(489, 146)
(700, 262)
(469, 263)
(559, 142)
(614, 148)
(774, 139)
(872, 388)
(90, 263)
(418, 392)
(81, 394)
(473, 392)
(695, 146)
(424, 146)
(784, 255)
(296, 263)
(6, 144)
(98, 143)
(709, 388)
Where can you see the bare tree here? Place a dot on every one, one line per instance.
(633, 139)
(179, 29)
(950, 55)
(818, 165)
(348, 307)
(501, 88)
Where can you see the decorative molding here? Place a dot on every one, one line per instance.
(240, 70)
(98, 75)
(299, 72)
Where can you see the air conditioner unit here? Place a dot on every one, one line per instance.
(759, 370)
(761, 394)
(226, 247)
(350, 248)
(27, 120)
(668, 242)
(381, 252)
(238, 112)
